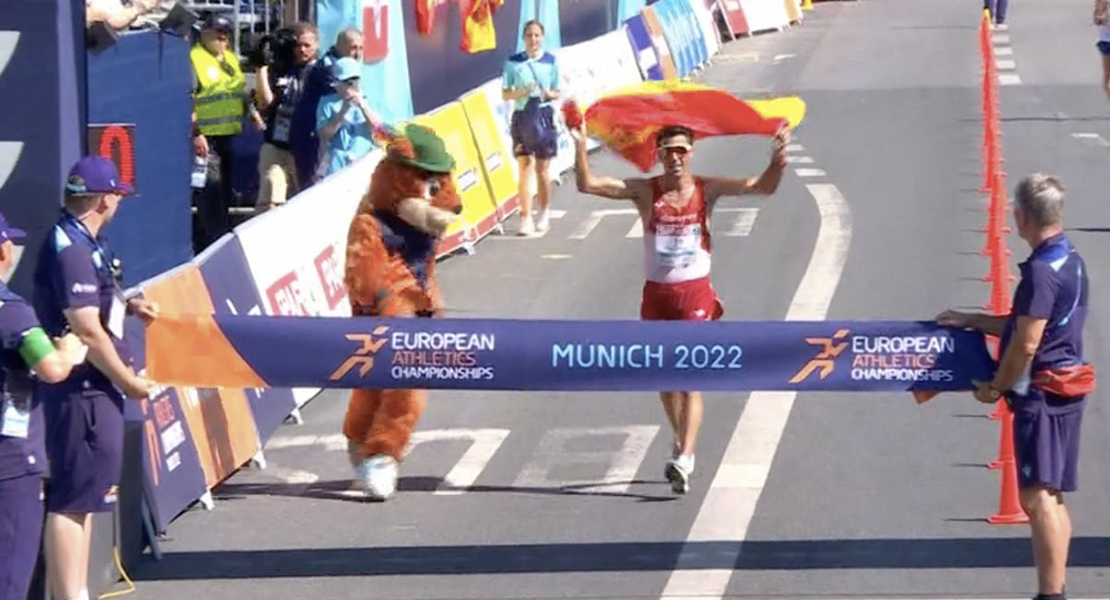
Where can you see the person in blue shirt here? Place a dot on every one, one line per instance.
(76, 289)
(1042, 373)
(26, 352)
(531, 80)
(306, 146)
(344, 120)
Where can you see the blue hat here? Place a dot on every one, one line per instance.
(346, 68)
(9, 233)
(96, 175)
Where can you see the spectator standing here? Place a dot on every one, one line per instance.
(220, 101)
(306, 145)
(280, 87)
(25, 351)
(76, 289)
(344, 120)
(531, 80)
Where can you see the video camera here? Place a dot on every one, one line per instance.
(275, 50)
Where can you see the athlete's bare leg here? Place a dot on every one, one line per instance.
(689, 421)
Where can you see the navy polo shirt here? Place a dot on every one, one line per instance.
(74, 271)
(19, 456)
(1053, 287)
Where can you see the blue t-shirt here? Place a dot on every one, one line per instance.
(19, 456)
(75, 271)
(352, 141)
(520, 70)
(1054, 287)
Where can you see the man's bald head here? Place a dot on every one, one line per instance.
(349, 43)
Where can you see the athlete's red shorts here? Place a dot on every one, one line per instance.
(694, 300)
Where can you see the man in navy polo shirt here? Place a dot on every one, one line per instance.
(1042, 373)
(76, 289)
(25, 350)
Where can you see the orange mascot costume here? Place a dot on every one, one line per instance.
(390, 272)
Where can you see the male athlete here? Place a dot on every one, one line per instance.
(675, 208)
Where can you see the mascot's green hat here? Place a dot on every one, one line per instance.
(431, 152)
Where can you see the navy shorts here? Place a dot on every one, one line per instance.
(1046, 445)
(20, 533)
(526, 144)
(1103, 48)
(84, 446)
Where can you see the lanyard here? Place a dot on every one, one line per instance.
(105, 262)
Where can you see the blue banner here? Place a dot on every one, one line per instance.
(672, 30)
(626, 9)
(692, 30)
(548, 14)
(870, 356)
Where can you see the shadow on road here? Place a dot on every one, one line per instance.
(951, 553)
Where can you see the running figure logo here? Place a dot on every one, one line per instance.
(826, 358)
(363, 358)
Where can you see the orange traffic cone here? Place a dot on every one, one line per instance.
(1009, 507)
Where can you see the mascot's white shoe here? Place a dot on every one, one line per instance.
(378, 475)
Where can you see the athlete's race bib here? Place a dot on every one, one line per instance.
(680, 249)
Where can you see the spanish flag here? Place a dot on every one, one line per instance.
(628, 119)
(478, 33)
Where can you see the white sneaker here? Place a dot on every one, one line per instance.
(527, 227)
(679, 471)
(544, 221)
(378, 475)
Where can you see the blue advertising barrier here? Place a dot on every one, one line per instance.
(646, 56)
(489, 354)
(669, 17)
(142, 85)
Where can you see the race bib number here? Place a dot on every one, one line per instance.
(16, 419)
(680, 249)
(281, 128)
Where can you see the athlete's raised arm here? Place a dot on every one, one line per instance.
(765, 184)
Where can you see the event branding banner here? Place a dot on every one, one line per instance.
(569, 355)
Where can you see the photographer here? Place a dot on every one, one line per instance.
(280, 84)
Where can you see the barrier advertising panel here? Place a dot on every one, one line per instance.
(496, 153)
(479, 214)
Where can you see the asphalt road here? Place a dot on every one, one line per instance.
(832, 495)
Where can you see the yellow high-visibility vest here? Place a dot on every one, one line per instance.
(219, 102)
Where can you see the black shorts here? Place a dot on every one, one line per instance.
(84, 445)
(527, 144)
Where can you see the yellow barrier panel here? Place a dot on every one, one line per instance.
(479, 214)
(496, 158)
(792, 12)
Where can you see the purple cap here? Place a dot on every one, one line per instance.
(9, 233)
(96, 175)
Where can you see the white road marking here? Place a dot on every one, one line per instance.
(1094, 137)
(1009, 79)
(483, 445)
(795, 148)
(9, 156)
(741, 477)
(745, 221)
(1005, 64)
(595, 217)
(1004, 51)
(779, 57)
(1000, 38)
(637, 230)
(294, 476)
(557, 449)
(799, 159)
(8, 41)
(803, 172)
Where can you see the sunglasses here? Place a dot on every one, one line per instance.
(679, 150)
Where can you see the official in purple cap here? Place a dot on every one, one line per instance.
(76, 289)
(25, 352)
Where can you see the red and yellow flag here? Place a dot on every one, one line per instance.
(478, 32)
(628, 119)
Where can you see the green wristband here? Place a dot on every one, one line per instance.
(36, 346)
